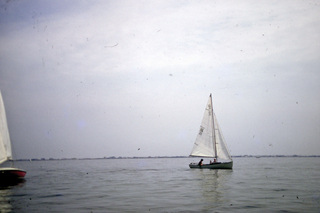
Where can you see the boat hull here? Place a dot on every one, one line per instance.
(11, 173)
(222, 165)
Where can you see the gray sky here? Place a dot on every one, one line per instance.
(105, 78)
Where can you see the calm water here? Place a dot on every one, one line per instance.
(166, 185)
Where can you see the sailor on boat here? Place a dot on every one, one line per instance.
(200, 162)
(214, 161)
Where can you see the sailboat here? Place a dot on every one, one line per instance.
(8, 173)
(210, 143)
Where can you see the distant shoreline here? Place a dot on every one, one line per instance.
(156, 157)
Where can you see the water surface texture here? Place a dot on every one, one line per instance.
(166, 185)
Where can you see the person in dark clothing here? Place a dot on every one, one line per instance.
(200, 163)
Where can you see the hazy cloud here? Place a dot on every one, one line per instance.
(93, 79)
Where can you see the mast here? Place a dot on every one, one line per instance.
(213, 130)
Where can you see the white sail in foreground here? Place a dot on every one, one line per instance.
(210, 141)
(5, 145)
(8, 175)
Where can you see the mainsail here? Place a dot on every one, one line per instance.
(210, 141)
(5, 145)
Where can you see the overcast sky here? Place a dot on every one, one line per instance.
(107, 78)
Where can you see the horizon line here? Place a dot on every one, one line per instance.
(136, 157)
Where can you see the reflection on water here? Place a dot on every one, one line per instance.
(214, 187)
(4, 184)
(5, 203)
(6, 193)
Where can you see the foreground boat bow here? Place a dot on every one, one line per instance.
(11, 173)
(5, 149)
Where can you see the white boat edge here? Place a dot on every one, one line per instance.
(10, 172)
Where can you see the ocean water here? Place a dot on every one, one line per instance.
(165, 185)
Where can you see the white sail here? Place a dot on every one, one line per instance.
(222, 150)
(210, 141)
(5, 145)
(203, 145)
